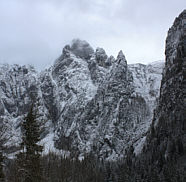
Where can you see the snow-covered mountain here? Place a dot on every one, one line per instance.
(89, 102)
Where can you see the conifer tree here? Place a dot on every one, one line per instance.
(1, 167)
(28, 160)
(3, 140)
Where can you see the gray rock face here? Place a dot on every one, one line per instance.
(165, 150)
(19, 87)
(170, 111)
(90, 102)
(101, 57)
(48, 90)
(147, 80)
(109, 120)
(81, 49)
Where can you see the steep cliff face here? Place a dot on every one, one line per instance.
(89, 101)
(109, 121)
(147, 80)
(19, 86)
(108, 113)
(169, 119)
(164, 153)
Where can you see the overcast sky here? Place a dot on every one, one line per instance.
(35, 31)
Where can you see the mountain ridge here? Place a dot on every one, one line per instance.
(79, 81)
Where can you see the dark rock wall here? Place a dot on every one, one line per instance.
(163, 157)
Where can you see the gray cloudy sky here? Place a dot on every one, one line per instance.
(35, 31)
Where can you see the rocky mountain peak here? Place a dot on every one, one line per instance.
(81, 48)
(175, 39)
(101, 57)
(66, 51)
(121, 55)
(89, 100)
(120, 70)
